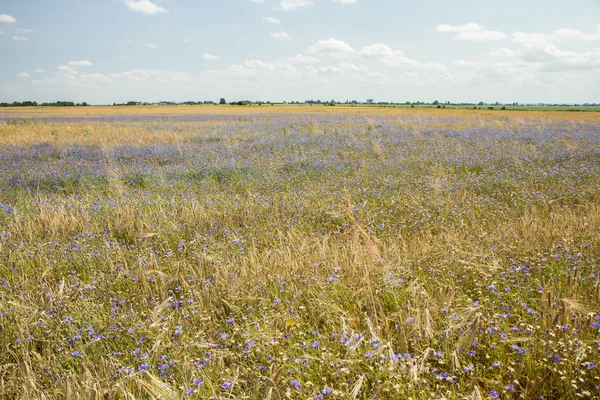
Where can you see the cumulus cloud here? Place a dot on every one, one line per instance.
(82, 63)
(7, 19)
(280, 35)
(503, 52)
(471, 32)
(209, 57)
(300, 58)
(292, 4)
(331, 47)
(38, 71)
(67, 70)
(271, 20)
(567, 33)
(151, 46)
(20, 38)
(528, 38)
(378, 51)
(24, 75)
(482, 36)
(470, 27)
(144, 7)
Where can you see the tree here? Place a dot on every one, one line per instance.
(435, 103)
(370, 101)
(222, 101)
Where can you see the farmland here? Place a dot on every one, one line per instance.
(299, 252)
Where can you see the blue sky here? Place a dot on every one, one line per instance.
(105, 51)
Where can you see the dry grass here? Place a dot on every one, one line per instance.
(276, 256)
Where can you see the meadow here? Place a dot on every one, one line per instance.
(299, 252)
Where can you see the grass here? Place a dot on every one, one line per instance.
(300, 255)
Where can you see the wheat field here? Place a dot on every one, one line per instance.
(299, 252)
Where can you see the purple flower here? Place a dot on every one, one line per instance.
(231, 320)
(189, 391)
(226, 385)
(315, 345)
(295, 384)
(494, 394)
(143, 367)
(197, 382)
(556, 359)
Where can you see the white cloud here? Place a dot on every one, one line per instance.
(299, 58)
(332, 47)
(470, 27)
(7, 18)
(67, 70)
(257, 1)
(528, 38)
(345, 1)
(567, 33)
(503, 52)
(144, 7)
(21, 30)
(280, 35)
(291, 4)
(353, 67)
(209, 57)
(330, 69)
(151, 46)
(38, 71)
(20, 38)
(82, 63)
(482, 36)
(471, 32)
(24, 75)
(378, 51)
(186, 40)
(271, 20)
(544, 53)
(126, 57)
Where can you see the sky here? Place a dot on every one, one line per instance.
(106, 51)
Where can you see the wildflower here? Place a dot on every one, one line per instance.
(493, 394)
(556, 359)
(226, 385)
(315, 345)
(231, 320)
(295, 384)
(197, 382)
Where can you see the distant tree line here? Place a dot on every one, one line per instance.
(311, 102)
(35, 104)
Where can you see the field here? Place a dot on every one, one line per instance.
(299, 252)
